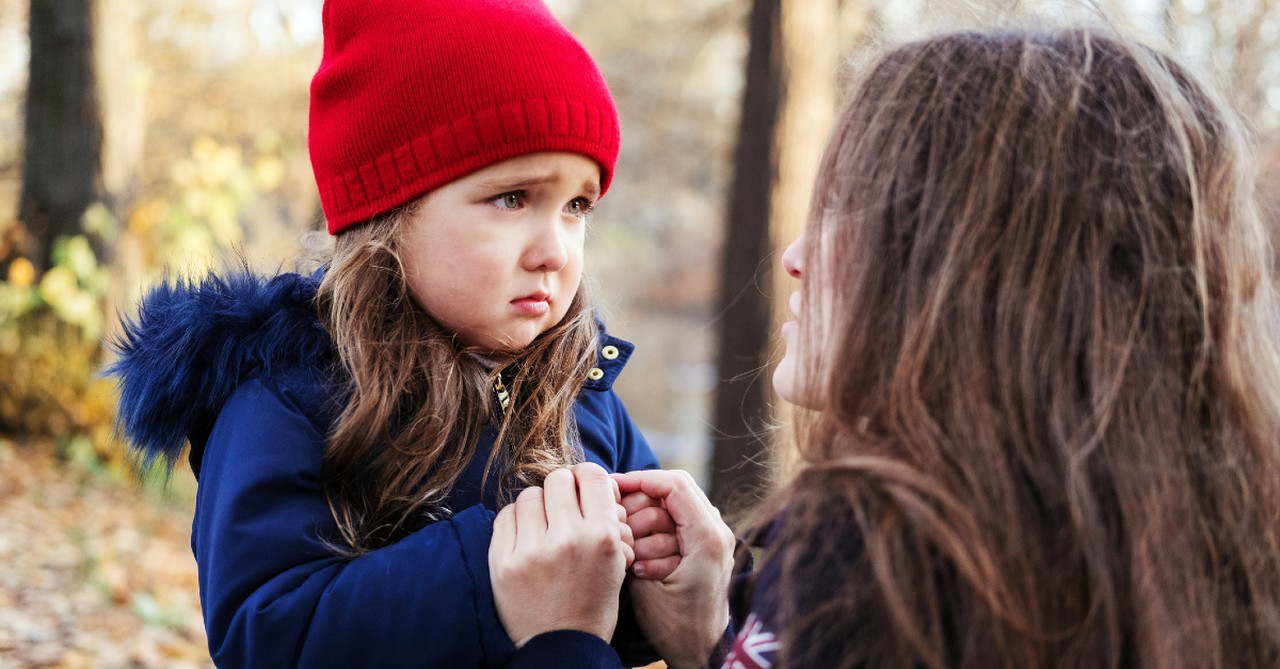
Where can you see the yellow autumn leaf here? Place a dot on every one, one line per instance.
(216, 163)
(203, 148)
(80, 257)
(268, 173)
(58, 285)
(184, 173)
(223, 222)
(143, 219)
(21, 273)
(80, 309)
(196, 200)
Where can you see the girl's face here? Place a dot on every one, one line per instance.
(495, 257)
(786, 375)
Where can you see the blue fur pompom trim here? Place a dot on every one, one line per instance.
(192, 343)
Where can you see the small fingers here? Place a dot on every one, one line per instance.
(657, 546)
(638, 500)
(655, 570)
(651, 520)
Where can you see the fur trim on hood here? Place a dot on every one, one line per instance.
(193, 343)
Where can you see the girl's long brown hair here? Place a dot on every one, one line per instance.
(416, 401)
(1045, 370)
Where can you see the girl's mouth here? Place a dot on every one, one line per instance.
(537, 304)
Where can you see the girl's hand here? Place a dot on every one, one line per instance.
(656, 545)
(685, 614)
(559, 554)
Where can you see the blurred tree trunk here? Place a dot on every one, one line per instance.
(63, 127)
(123, 109)
(741, 409)
(786, 106)
(124, 122)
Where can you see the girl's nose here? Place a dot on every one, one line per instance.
(793, 258)
(548, 249)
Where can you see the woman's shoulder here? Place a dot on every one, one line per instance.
(808, 562)
(194, 342)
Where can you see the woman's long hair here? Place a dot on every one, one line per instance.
(1040, 332)
(416, 401)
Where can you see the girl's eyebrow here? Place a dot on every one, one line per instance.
(590, 187)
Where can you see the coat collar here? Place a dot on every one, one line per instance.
(611, 357)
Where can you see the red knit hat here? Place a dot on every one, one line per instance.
(413, 94)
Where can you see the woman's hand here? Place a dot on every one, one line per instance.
(559, 554)
(684, 614)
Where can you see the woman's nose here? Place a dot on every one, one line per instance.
(793, 258)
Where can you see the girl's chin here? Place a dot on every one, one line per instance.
(505, 342)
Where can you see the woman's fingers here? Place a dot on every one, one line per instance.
(560, 497)
(504, 531)
(571, 501)
(628, 535)
(572, 548)
(681, 602)
(530, 519)
(597, 493)
(628, 543)
(680, 494)
(598, 498)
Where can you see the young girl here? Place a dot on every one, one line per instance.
(1036, 330)
(353, 431)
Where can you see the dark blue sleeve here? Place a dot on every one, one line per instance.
(566, 648)
(275, 594)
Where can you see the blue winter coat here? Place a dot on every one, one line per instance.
(237, 366)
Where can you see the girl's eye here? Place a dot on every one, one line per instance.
(509, 201)
(579, 206)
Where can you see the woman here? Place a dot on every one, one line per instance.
(1036, 269)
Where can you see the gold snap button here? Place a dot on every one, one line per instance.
(609, 352)
(595, 374)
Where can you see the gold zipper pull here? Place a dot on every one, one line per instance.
(500, 390)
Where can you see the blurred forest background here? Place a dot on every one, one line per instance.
(144, 139)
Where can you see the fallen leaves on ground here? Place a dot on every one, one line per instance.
(93, 572)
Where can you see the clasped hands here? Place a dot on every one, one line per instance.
(561, 553)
